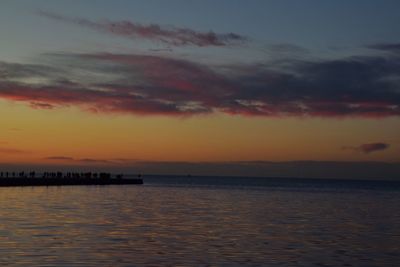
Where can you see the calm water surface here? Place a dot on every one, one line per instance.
(188, 225)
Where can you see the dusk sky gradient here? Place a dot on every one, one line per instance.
(261, 88)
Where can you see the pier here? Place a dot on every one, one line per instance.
(8, 179)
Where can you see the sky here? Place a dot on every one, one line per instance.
(230, 87)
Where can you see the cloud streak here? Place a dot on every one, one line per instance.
(369, 148)
(84, 160)
(11, 151)
(59, 158)
(388, 47)
(154, 32)
(359, 86)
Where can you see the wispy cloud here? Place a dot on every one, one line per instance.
(389, 47)
(169, 35)
(369, 148)
(358, 86)
(38, 105)
(4, 150)
(83, 160)
(59, 158)
(15, 129)
(93, 161)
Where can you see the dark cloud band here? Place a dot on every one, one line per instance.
(369, 148)
(363, 86)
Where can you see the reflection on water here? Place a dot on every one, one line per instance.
(197, 226)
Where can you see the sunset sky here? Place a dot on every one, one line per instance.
(157, 85)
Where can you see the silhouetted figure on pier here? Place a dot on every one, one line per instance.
(61, 175)
(104, 175)
(28, 178)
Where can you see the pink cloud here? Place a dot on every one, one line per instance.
(40, 105)
(154, 85)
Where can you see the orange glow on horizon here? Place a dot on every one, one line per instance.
(30, 136)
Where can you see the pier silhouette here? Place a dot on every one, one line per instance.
(59, 179)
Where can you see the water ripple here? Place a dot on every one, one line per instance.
(206, 226)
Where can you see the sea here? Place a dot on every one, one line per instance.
(203, 221)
